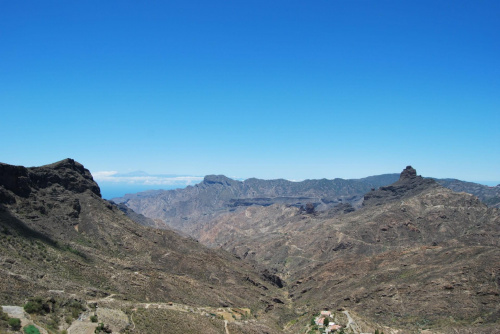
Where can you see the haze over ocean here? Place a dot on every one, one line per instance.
(268, 89)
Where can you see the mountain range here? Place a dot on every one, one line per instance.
(407, 256)
(415, 254)
(188, 208)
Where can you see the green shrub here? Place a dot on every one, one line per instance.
(53, 322)
(33, 307)
(76, 307)
(93, 318)
(99, 328)
(31, 330)
(15, 323)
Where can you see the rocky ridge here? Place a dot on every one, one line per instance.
(187, 210)
(488, 195)
(408, 185)
(58, 236)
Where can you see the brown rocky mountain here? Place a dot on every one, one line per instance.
(416, 256)
(185, 209)
(59, 238)
(488, 195)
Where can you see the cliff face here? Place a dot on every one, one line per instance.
(68, 174)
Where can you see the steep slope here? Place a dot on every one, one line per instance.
(185, 209)
(488, 195)
(57, 234)
(140, 219)
(415, 256)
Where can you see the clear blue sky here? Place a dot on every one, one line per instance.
(268, 89)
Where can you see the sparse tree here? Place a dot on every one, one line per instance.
(15, 323)
(310, 208)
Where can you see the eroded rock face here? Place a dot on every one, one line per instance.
(408, 173)
(15, 179)
(66, 173)
(409, 184)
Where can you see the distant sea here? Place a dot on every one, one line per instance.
(113, 190)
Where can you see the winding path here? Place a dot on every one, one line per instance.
(351, 323)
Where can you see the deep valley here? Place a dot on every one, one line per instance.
(392, 253)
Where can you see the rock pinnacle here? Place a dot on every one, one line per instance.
(408, 173)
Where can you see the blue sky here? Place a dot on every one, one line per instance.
(268, 89)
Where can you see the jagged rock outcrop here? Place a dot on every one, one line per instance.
(409, 184)
(408, 173)
(67, 173)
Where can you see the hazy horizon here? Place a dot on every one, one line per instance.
(114, 184)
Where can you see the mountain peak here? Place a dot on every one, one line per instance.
(67, 163)
(67, 173)
(409, 184)
(220, 179)
(408, 173)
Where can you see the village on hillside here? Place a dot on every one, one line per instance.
(325, 323)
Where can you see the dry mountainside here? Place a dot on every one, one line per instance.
(186, 210)
(416, 256)
(62, 244)
(408, 257)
